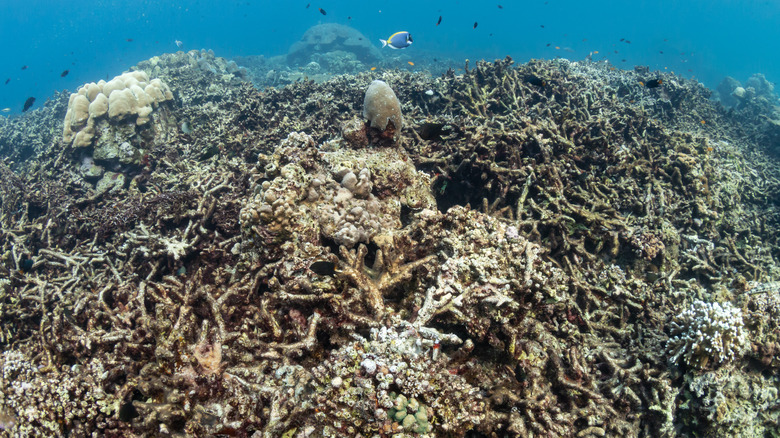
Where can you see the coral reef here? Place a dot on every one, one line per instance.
(727, 403)
(25, 137)
(523, 260)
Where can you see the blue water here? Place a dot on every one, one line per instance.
(706, 40)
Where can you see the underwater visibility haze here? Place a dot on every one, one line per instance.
(384, 219)
(707, 40)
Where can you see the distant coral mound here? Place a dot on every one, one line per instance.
(331, 37)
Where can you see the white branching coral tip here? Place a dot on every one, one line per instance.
(707, 332)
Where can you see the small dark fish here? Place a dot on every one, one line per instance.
(548, 44)
(26, 264)
(500, 7)
(661, 52)
(7, 81)
(24, 67)
(535, 80)
(28, 103)
(129, 40)
(622, 60)
(322, 11)
(349, 18)
(323, 267)
(433, 131)
(542, 26)
(307, 5)
(439, 22)
(622, 39)
(628, 42)
(475, 24)
(64, 73)
(655, 83)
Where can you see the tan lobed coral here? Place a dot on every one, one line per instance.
(130, 94)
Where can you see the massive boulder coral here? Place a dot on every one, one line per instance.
(113, 124)
(129, 95)
(331, 37)
(383, 111)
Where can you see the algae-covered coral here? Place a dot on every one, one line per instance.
(520, 263)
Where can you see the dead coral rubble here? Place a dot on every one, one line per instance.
(511, 267)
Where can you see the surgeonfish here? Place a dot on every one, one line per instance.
(398, 40)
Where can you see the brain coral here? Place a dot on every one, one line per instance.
(129, 95)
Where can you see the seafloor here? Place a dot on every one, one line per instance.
(552, 249)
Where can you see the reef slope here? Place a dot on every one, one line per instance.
(520, 264)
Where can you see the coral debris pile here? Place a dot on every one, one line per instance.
(517, 261)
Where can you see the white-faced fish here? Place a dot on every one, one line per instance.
(179, 44)
(398, 40)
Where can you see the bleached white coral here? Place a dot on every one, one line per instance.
(707, 332)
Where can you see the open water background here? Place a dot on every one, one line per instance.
(706, 40)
